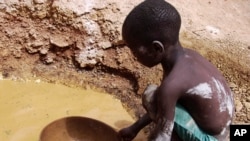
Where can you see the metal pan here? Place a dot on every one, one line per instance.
(78, 129)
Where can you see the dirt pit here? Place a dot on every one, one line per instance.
(77, 44)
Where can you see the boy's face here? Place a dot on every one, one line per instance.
(146, 55)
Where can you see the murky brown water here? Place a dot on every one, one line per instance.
(26, 107)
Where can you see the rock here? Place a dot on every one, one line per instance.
(60, 41)
(247, 105)
(9, 33)
(40, 14)
(238, 105)
(79, 45)
(17, 53)
(79, 7)
(39, 1)
(49, 58)
(248, 116)
(32, 33)
(232, 85)
(44, 51)
(13, 5)
(34, 46)
(244, 90)
(4, 53)
(37, 44)
(105, 44)
(38, 81)
(89, 57)
(236, 92)
(90, 27)
(248, 99)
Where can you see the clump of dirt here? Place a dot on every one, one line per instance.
(44, 40)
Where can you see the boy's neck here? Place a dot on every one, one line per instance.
(172, 55)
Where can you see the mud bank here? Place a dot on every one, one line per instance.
(78, 43)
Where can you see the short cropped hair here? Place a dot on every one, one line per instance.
(152, 20)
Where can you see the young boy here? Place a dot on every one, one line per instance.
(193, 102)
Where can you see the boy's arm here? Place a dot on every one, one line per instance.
(129, 133)
(164, 128)
(167, 96)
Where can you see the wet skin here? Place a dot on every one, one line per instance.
(190, 80)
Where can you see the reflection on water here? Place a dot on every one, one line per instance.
(26, 107)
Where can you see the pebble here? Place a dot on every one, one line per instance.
(49, 59)
(247, 105)
(105, 45)
(37, 81)
(33, 33)
(248, 99)
(236, 92)
(248, 115)
(39, 1)
(44, 51)
(238, 105)
(40, 14)
(232, 85)
(59, 41)
(37, 44)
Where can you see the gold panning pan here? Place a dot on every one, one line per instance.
(78, 129)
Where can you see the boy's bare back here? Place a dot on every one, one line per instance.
(202, 90)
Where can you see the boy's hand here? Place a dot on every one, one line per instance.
(126, 134)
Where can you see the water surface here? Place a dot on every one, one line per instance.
(27, 107)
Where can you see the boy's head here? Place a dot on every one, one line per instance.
(149, 28)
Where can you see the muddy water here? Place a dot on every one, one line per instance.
(26, 107)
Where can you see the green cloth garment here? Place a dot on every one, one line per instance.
(187, 129)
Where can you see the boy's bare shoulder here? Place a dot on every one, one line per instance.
(190, 70)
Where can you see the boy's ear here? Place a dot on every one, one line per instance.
(158, 46)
